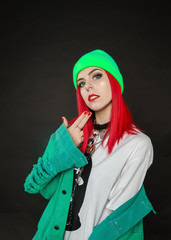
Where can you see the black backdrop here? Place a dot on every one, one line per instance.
(39, 46)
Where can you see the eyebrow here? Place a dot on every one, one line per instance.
(89, 73)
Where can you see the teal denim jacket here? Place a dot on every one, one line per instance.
(52, 177)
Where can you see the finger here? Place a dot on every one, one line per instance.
(81, 133)
(79, 119)
(84, 120)
(65, 121)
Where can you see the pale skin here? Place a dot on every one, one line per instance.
(95, 90)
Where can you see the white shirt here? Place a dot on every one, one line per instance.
(113, 180)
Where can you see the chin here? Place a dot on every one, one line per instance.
(95, 108)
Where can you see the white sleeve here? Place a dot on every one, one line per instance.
(132, 175)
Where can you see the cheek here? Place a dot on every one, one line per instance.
(106, 90)
(83, 95)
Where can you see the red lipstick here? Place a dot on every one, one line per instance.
(92, 97)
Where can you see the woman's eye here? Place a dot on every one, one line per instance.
(97, 76)
(81, 84)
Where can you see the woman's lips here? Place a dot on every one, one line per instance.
(92, 97)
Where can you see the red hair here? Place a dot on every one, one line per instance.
(121, 119)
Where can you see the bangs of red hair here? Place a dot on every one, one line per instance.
(121, 120)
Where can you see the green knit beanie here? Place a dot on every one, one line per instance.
(101, 59)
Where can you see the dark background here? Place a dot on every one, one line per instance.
(39, 46)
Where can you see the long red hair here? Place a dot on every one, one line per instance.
(121, 119)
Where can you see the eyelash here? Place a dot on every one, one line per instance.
(80, 84)
(95, 75)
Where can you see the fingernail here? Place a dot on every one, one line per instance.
(62, 118)
(85, 112)
(89, 113)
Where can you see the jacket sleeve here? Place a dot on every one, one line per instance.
(126, 221)
(60, 154)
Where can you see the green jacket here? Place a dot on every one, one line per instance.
(52, 177)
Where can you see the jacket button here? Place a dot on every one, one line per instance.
(64, 192)
(57, 227)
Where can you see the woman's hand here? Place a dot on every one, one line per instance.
(75, 130)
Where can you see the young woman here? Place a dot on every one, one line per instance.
(93, 168)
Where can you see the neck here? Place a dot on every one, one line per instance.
(103, 116)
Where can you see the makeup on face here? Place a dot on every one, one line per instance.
(92, 97)
(93, 74)
(95, 88)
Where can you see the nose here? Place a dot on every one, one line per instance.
(88, 86)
